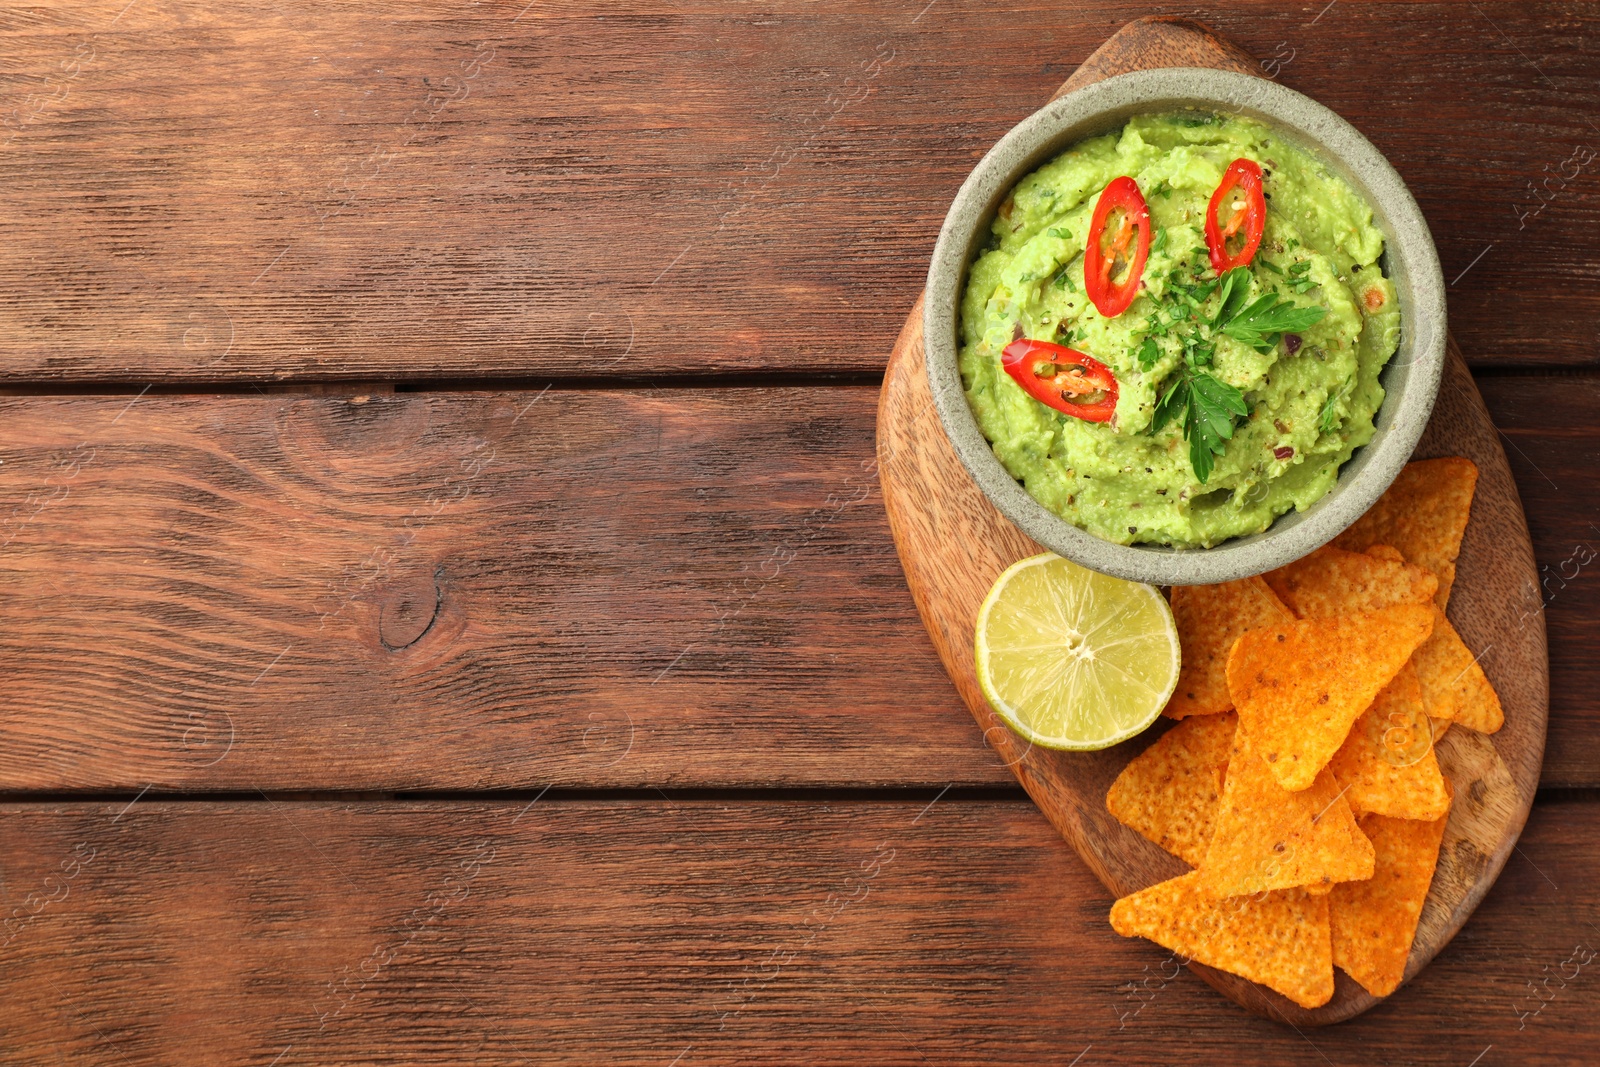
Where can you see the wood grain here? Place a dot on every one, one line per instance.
(1552, 440)
(459, 592)
(264, 191)
(954, 543)
(710, 932)
(206, 534)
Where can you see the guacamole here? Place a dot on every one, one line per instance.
(1308, 396)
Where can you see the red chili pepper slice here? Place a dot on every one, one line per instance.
(1062, 378)
(1238, 198)
(1108, 251)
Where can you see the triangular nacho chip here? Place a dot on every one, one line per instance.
(1387, 764)
(1299, 686)
(1268, 838)
(1447, 581)
(1423, 514)
(1209, 619)
(1331, 581)
(1169, 792)
(1373, 922)
(1454, 686)
(1278, 939)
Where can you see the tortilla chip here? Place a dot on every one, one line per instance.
(1209, 619)
(1454, 686)
(1423, 514)
(1387, 765)
(1331, 581)
(1447, 579)
(1269, 838)
(1279, 939)
(1373, 923)
(1169, 792)
(1299, 686)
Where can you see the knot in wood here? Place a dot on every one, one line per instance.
(408, 608)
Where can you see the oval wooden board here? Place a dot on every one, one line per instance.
(953, 544)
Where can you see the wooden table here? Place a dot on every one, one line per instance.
(450, 617)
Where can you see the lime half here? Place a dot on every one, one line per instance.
(1074, 659)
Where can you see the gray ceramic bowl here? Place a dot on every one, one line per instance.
(1410, 381)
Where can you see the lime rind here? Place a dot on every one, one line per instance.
(1071, 659)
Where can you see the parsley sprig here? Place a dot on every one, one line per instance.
(1207, 406)
(1261, 323)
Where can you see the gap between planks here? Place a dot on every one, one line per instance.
(997, 794)
(592, 383)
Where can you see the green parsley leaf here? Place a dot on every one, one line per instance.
(1162, 189)
(1061, 232)
(1329, 416)
(1300, 266)
(1172, 403)
(1221, 402)
(1213, 404)
(1201, 458)
(1161, 240)
(1234, 285)
(1273, 267)
(1261, 323)
(1208, 408)
(1148, 353)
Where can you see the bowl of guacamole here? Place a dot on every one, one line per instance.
(1183, 325)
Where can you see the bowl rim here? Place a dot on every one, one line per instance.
(1410, 379)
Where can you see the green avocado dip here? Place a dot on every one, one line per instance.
(1298, 401)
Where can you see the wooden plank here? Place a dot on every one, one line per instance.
(199, 592)
(460, 591)
(1551, 439)
(310, 191)
(697, 933)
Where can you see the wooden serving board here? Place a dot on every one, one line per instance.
(953, 544)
